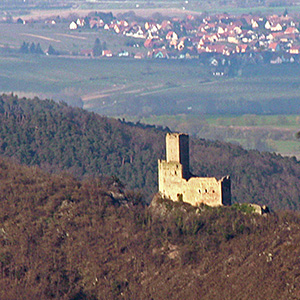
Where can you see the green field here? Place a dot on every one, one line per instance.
(275, 133)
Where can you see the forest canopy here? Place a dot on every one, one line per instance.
(57, 137)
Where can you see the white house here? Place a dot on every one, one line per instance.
(73, 26)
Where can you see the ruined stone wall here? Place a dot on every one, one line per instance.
(176, 182)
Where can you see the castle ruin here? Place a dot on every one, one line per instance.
(177, 183)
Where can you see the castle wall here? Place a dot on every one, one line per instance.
(176, 182)
(196, 190)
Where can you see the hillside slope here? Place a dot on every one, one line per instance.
(57, 137)
(65, 239)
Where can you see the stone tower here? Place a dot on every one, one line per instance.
(177, 151)
(177, 183)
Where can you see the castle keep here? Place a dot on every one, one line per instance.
(177, 183)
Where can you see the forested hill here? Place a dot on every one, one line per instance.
(57, 137)
(66, 239)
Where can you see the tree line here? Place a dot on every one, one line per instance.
(32, 48)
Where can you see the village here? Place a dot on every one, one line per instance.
(261, 38)
(273, 38)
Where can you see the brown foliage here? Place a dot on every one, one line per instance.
(65, 239)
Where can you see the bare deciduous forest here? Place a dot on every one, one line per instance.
(92, 239)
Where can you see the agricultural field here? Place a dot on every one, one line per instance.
(37, 9)
(97, 80)
(274, 133)
(257, 107)
(116, 86)
(58, 36)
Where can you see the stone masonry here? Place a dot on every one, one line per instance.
(178, 184)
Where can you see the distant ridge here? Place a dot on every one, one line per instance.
(57, 137)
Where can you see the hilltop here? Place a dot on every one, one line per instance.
(67, 239)
(57, 137)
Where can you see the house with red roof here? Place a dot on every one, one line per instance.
(274, 47)
(107, 53)
(242, 48)
(294, 50)
(291, 30)
(171, 35)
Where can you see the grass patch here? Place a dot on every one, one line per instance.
(285, 121)
(287, 146)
